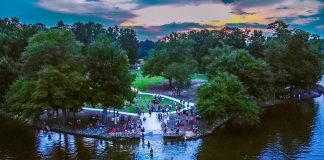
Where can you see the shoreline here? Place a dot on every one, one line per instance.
(204, 132)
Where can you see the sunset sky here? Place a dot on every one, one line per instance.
(155, 18)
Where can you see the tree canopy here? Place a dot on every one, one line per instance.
(173, 58)
(225, 97)
(294, 57)
(64, 66)
(254, 73)
(107, 74)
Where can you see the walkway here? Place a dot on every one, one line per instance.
(151, 125)
(153, 134)
(134, 114)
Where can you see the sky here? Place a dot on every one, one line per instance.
(153, 19)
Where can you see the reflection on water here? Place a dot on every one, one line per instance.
(285, 132)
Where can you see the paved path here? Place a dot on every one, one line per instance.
(151, 125)
(134, 114)
(153, 133)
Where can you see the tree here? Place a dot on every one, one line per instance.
(50, 64)
(171, 58)
(107, 74)
(144, 48)
(87, 32)
(52, 47)
(155, 64)
(234, 37)
(8, 74)
(257, 44)
(59, 87)
(128, 41)
(55, 88)
(18, 100)
(279, 28)
(61, 25)
(254, 73)
(181, 72)
(13, 40)
(14, 36)
(225, 97)
(198, 43)
(293, 56)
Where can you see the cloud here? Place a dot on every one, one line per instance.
(217, 14)
(156, 32)
(304, 21)
(241, 12)
(320, 27)
(247, 25)
(255, 3)
(114, 10)
(159, 17)
(191, 13)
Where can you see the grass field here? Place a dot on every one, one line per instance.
(142, 82)
(198, 76)
(143, 100)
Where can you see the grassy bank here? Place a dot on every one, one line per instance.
(143, 100)
(142, 82)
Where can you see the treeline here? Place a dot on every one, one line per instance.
(62, 67)
(244, 67)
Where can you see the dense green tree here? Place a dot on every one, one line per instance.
(234, 37)
(54, 88)
(86, 32)
(128, 41)
(256, 44)
(14, 37)
(125, 37)
(18, 100)
(52, 47)
(254, 73)
(279, 28)
(225, 97)
(8, 74)
(181, 73)
(59, 87)
(107, 74)
(50, 64)
(172, 59)
(144, 48)
(61, 25)
(155, 63)
(13, 40)
(198, 43)
(292, 57)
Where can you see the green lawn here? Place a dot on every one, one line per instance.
(142, 82)
(198, 76)
(142, 99)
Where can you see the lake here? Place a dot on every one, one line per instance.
(292, 131)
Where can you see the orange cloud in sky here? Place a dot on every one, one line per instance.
(166, 14)
(219, 14)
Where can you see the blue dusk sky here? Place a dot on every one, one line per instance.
(153, 19)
